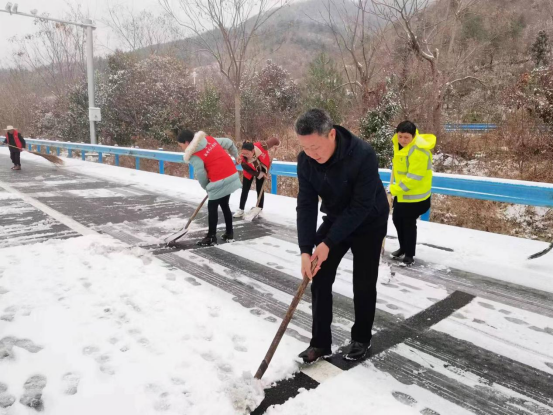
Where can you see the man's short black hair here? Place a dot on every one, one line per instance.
(185, 136)
(407, 127)
(247, 146)
(314, 121)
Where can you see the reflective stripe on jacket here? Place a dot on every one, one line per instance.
(412, 169)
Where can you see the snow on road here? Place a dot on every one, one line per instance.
(496, 256)
(113, 330)
(98, 327)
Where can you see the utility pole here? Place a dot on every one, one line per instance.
(94, 113)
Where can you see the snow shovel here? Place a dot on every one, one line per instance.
(282, 329)
(50, 157)
(542, 253)
(255, 211)
(177, 235)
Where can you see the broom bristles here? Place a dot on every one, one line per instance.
(50, 157)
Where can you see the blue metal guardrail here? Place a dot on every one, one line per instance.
(483, 188)
(469, 127)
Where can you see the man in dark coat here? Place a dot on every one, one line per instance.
(342, 170)
(16, 142)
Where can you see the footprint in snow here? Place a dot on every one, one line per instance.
(257, 312)
(70, 382)
(505, 312)
(4, 290)
(486, 305)
(90, 350)
(428, 411)
(392, 306)
(6, 400)
(404, 398)
(271, 319)
(192, 281)
(516, 321)
(32, 395)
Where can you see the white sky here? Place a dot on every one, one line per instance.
(97, 10)
(12, 25)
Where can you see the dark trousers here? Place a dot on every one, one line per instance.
(366, 257)
(15, 155)
(405, 220)
(212, 209)
(246, 186)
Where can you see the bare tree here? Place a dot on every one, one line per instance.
(56, 52)
(358, 35)
(226, 29)
(409, 19)
(140, 30)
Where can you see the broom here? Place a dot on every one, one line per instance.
(50, 157)
(284, 324)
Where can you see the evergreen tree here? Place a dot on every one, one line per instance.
(540, 50)
(375, 127)
(323, 88)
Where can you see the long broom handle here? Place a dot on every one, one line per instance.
(196, 212)
(390, 203)
(260, 194)
(21, 149)
(282, 329)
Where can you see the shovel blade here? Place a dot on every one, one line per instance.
(175, 236)
(252, 214)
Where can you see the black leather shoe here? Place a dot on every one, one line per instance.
(397, 254)
(311, 354)
(208, 241)
(408, 261)
(355, 350)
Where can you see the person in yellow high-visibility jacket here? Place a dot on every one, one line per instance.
(411, 185)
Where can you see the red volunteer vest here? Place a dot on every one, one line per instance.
(217, 162)
(264, 158)
(16, 139)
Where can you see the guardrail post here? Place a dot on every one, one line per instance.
(38, 148)
(190, 171)
(70, 153)
(30, 147)
(47, 150)
(117, 159)
(100, 158)
(83, 155)
(274, 184)
(137, 162)
(161, 164)
(58, 150)
(426, 216)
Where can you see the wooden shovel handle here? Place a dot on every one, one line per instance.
(196, 212)
(284, 324)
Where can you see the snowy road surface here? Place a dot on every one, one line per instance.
(96, 319)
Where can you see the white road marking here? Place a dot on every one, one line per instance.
(60, 217)
(321, 371)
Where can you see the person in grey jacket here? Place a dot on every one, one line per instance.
(217, 174)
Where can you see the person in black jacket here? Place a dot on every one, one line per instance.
(16, 142)
(342, 170)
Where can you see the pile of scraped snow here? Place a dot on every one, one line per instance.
(97, 327)
(496, 256)
(366, 390)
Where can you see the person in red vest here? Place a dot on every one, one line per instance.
(217, 174)
(256, 162)
(16, 142)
